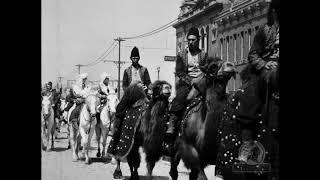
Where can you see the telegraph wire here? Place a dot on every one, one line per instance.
(102, 56)
(154, 31)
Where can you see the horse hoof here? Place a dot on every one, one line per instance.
(68, 146)
(98, 154)
(117, 174)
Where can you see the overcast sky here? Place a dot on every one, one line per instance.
(79, 31)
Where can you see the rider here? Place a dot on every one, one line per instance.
(104, 86)
(79, 90)
(70, 98)
(188, 72)
(263, 92)
(135, 73)
(55, 97)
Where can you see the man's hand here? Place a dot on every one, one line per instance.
(271, 65)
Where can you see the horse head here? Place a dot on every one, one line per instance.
(161, 90)
(46, 106)
(112, 101)
(92, 102)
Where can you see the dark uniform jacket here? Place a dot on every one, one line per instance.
(183, 86)
(263, 47)
(127, 76)
(182, 66)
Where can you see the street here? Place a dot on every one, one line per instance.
(57, 165)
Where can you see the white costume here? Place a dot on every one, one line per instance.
(79, 88)
(103, 87)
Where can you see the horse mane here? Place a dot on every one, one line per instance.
(132, 94)
(154, 122)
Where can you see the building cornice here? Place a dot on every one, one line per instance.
(239, 10)
(198, 12)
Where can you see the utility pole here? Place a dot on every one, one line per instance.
(60, 77)
(119, 62)
(79, 65)
(158, 69)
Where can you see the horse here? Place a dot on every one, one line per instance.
(150, 125)
(85, 130)
(197, 138)
(106, 118)
(47, 122)
(64, 117)
(251, 116)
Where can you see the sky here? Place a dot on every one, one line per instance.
(79, 31)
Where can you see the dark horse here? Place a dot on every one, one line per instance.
(250, 117)
(149, 128)
(197, 142)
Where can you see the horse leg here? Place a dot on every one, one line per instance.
(134, 161)
(84, 143)
(105, 132)
(191, 157)
(73, 142)
(174, 166)
(150, 166)
(98, 136)
(89, 145)
(117, 174)
(52, 137)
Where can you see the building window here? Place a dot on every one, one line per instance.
(235, 48)
(241, 46)
(202, 39)
(249, 38)
(207, 39)
(227, 38)
(221, 48)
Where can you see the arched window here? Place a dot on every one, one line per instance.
(227, 47)
(235, 48)
(249, 38)
(202, 39)
(221, 48)
(241, 45)
(207, 39)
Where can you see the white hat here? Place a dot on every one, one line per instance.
(83, 75)
(104, 75)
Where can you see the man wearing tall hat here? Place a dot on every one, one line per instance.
(136, 73)
(188, 71)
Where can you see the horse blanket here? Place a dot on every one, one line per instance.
(129, 127)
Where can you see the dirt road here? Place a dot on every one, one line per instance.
(57, 165)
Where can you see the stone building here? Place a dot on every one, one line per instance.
(226, 27)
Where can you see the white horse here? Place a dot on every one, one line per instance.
(86, 127)
(47, 122)
(106, 118)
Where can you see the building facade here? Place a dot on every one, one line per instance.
(227, 28)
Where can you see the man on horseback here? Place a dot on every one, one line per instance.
(104, 86)
(135, 74)
(79, 90)
(70, 98)
(257, 116)
(55, 98)
(188, 72)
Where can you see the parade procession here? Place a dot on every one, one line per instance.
(204, 107)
